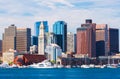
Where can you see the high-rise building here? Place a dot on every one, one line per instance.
(102, 41)
(34, 40)
(0, 47)
(37, 27)
(114, 40)
(71, 42)
(86, 45)
(23, 39)
(60, 31)
(42, 41)
(9, 38)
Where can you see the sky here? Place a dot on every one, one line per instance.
(24, 13)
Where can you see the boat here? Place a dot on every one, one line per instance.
(44, 64)
(4, 65)
(85, 66)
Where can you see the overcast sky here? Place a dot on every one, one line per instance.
(24, 13)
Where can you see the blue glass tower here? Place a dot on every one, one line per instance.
(34, 40)
(60, 31)
(37, 26)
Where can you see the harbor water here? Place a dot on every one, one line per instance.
(59, 73)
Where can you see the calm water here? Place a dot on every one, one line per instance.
(74, 73)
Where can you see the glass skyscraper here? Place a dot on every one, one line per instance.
(37, 26)
(60, 31)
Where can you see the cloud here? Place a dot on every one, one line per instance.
(24, 13)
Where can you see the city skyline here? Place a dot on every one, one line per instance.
(26, 13)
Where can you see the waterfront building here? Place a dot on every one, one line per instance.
(23, 39)
(53, 52)
(86, 39)
(71, 42)
(42, 41)
(8, 56)
(113, 40)
(102, 41)
(9, 38)
(51, 38)
(60, 31)
(37, 26)
(34, 40)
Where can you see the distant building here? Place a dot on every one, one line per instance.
(34, 40)
(37, 27)
(71, 42)
(9, 56)
(9, 38)
(114, 40)
(53, 52)
(42, 40)
(23, 39)
(0, 48)
(86, 39)
(102, 41)
(51, 38)
(33, 49)
(60, 31)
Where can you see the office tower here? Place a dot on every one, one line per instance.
(9, 38)
(86, 45)
(60, 31)
(114, 40)
(102, 41)
(71, 42)
(34, 40)
(23, 39)
(37, 27)
(42, 41)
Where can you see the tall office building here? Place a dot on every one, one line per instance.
(86, 45)
(102, 47)
(42, 41)
(34, 40)
(9, 38)
(37, 27)
(71, 42)
(23, 39)
(114, 40)
(60, 31)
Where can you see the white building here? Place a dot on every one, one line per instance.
(42, 42)
(33, 49)
(53, 51)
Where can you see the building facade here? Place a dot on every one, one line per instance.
(60, 31)
(34, 40)
(86, 45)
(102, 41)
(53, 52)
(114, 40)
(23, 39)
(9, 38)
(42, 41)
(37, 26)
(71, 42)
(0, 48)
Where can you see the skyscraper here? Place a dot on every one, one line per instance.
(23, 39)
(114, 40)
(71, 42)
(86, 45)
(9, 38)
(60, 31)
(0, 47)
(37, 26)
(34, 40)
(102, 41)
(42, 41)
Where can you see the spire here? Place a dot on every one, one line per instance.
(42, 25)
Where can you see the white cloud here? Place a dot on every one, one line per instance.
(26, 12)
